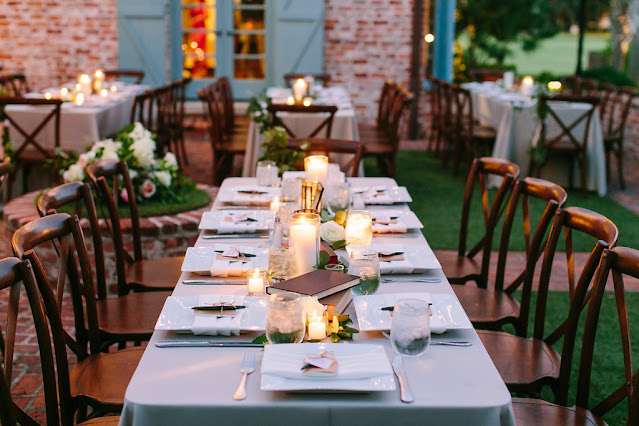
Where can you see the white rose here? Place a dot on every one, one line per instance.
(171, 161)
(311, 305)
(331, 232)
(163, 177)
(139, 132)
(143, 150)
(75, 173)
(86, 158)
(110, 153)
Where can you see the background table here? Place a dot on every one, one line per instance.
(194, 386)
(344, 124)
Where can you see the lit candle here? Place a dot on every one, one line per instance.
(47, 95)
(255, 281)
(290, 100)
(303, 234)
(359, 228)
(299, 89)
(85, 84)
(527, 84)
(316, 167)
(316, 327)
(79, 99)
(114, 88)
(307, 101)
(99, 74)
(104, 92)
(275, 205)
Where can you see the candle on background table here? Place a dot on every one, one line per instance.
(256, 279)
(79, 99)
(113, 88)
(316, 167)
(299, 89)
(527, 85)
(85, 84)
(97, 80)
(508, 80)
(303, 235)
(290, 100)
(104, 93)
(47, 95)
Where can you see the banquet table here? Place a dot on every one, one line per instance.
(80, 125)
(514, 116)
(451, 385)
(344, 122)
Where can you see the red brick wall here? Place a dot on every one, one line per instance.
(53, 41)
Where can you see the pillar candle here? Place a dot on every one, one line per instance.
(299, 89)
(317, 330)
(316, 167)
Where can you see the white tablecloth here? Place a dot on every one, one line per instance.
(515, 119)
(344, 124)
(194, 386)
(80, 126)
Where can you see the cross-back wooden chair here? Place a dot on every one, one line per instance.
(613, 119)
(163, 102)
(289, 79)
(462, 266)
(175, 119)
(326, 124)
(223, 148)
(7, 415)
(318, 146)
(528, 364)
(143, 109)
(485, 74)
(15, 84)
(141, 274)
(129, 317)
(233, 124)
(33, 150)
(567, 142)
(618, 262)
(434, 135)
(98, 380)
(494, 306)
(115, 74)
(379, 130)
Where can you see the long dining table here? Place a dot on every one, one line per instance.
(195, 385)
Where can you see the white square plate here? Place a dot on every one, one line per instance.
(397, 194)
(445, 308)
(407, 217)
(210, 220)
(200, 259)
(232, 195)
(417, 259)
(273, 354)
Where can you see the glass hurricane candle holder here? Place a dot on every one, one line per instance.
(282, 264)
(304, 236)
(284, 318)
(359, 228)
(255, 281)
(316, 167)
(266, 173)
(316, 325)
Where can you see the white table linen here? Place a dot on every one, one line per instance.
(451, 385)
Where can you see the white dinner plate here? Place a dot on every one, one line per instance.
(200, 259)
(178, 316)
(417, 259)
(232, 195)
(407, 218)
(211, 220)
(275, 354)
(448, 313)
(397, 194)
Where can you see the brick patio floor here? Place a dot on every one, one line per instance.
(27, 382)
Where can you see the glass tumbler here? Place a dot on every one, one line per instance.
(285, 318)
(282, 264)
(365, 264)
(338, 196)
(410, 327)
(266, 173)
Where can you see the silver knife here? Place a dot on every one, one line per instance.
(205, 344)
(398, 368)
(232, 236)
(204, 281)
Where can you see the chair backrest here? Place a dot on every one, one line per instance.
(289, 79)
(223, 86)
(333, 146)
(486, 74)
(79, 194)
(568, 130)
(615, 115)
(213, 110)
(143, 109)
(117, 173)
(554, 197)
(15, 84)
(135, 75)
(385, 103)
(176, 108)
(326, 123)
(52, 106)
(462, 113)
(433, 101)
(571, 84)
(481, 169)
(617, 262)
(401, 104)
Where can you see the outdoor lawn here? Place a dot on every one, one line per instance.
(437, 202)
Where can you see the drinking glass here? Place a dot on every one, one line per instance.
(266, 173)
(410, 327)
(284, 318)
(359, 228)
(338, 197)
(282, 264)
(291, 190)
(285, 213)
(365, 264)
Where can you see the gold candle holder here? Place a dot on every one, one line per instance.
(310, 190)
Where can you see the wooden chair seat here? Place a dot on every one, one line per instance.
(521, 362)
(154, 274)
(530, 411)
(133, 315)
(486, 307)
(111, 420)
(105, 377)
(459, 269)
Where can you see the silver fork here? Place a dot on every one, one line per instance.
(248, 366)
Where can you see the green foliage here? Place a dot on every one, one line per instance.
(258, 113)
(275, 149)
(609, 75)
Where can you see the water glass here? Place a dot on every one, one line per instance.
(338, 197)
(285, 213)
(285, 318)
(266, 173)
(282, 264)
(365, 264)
(410, 327)
(291, 190)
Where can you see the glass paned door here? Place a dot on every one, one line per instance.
(249, 40)
(199, 37)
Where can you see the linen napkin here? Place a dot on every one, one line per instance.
(374, 195)
(205, 323)
(349, 367)
(250, 199)
(382, 228)
(236, 224)
(232, 267)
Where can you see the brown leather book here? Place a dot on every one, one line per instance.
(340, 301)
(319, 283)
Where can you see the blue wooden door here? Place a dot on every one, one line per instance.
(143, 39)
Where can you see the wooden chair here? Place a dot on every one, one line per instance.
(613, 119)
(529, 364)
(141, 274)
(7, 415)
(571, 85)
(98, 380)
(327, 147)
(15, 84)
(135, 75)
(435, 133)
(573, 146)
(154, 109)
(327, 123)
(142, 110)
(223, 147)
(384, 108)
(5, 169)
(289, 79)
(485, 74)
(33, 151)
(617, 262)
(494, 306)
(131, 317)
(175, 119)
(233, 124)
(462, 266)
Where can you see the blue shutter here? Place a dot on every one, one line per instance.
(143, 39)
(297, 38)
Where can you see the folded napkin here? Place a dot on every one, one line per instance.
(249, 199)
(205, 322)
(236, 224)
(396, 267)
(381, 228)
(374, 195)
(349, 367)
(228, 267)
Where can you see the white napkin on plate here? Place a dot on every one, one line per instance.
(398, 228)
(208, 324)
(349, 367)
(232, 268)
(229, 227)
(396, 267)
(374, 195)
(239, 198)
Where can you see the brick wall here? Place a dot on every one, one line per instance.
(52, 41)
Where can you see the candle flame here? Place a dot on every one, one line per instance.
(47, 96)
(99, 74)
(85, 79)
(114, 88)
(79, 99)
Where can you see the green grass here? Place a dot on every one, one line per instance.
(437, 201)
